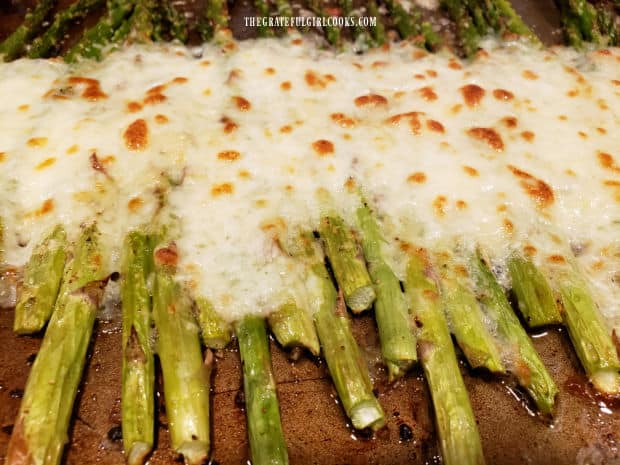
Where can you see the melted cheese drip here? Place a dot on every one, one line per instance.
(515, 150)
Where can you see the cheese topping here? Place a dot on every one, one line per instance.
(517, 150)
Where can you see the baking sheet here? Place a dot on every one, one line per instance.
(582, 431)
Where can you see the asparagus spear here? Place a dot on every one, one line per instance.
(466, 322)
(405, 24)
(40, 431)
(267, 444)
(377, 33)
(456, 424)
(514, 22)
(534, 295)
(97, 37)
(342, 354)
(467, 34)
(42, 276)
(477, 14)
(347, 261)
(186, 377)
(590, 336)
(293, 327)
(398, 344)
(213, 20)
(216, 333)
(607, 24)
(142, 21)
(137, 395)
(263, 11)
(526, 365)
(14, 44)
(177, 22)
(43, 44)
(332, 33)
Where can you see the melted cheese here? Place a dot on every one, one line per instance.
(517, 150)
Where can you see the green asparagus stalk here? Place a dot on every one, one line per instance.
(186, 377)
(466, 322)
(40, 431)
(267, 443)
(178, 24)
(342, 354)
(332, 33)
(42, 276)
(534, 295)
(377, 33)
(526, 365)
(607, 24)
(467, 34)
(403, 22)
(513, 22)
(477, 14)
(214, 19)
(15, 44)
(398, 344)
(137, 395)
(96, 38)
(589, 334)
(293, 327)
(263, 11)
(216, 333)
(52, 37)
(346, 10)
(347, 261)
(142, 27)
(492, 15)
(456, 425)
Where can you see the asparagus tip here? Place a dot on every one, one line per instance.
(361, 299)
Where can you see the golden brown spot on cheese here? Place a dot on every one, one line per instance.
(154, 99)
(343, 120)
(108, 159)
(611, 183)
(270, 71)
(615, 82)
(582, 134)
(370, 100)
(428, 94)
(435, 126)
(135, 204)
(286, 129)
(563, 117)
(431, 73)
(134, 107)
(161, 119)
(418, 177)
(529, 74)
(439, 204)
(502, 207)
(570, 172)
(572, 93)
(136, 135)
(23, 107)
(508, 225)
(509, 121)
(289, 188)
(180, 80)
(461, 204)
(470, 170)
(503, 95)
(399, 94)
(472, 94)
(260, 203)
(2, 156)
(316, 81)
(222, 189)
(488, 135)
(350, 184)
(73, 149)
(323, 147)
(167, 255)
(37, 142)
(206, 92)
(46, 163)
(205, 63)
(286, 85)
(602, 104)
(456, 108)
(244, 174)
(419, 76)
(558, 259)
(601, 130)
(418, 54)
(229, 125)
(45, 208)
(297, 41)
(453, 64)
(242, 103)
(528, 135)
(529, 250)
(91, 88)
(228, 155)
(607, 161)
(536, 188)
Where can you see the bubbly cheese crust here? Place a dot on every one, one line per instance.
(517, 150)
